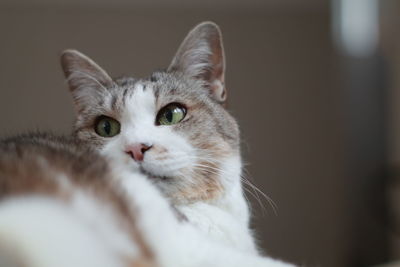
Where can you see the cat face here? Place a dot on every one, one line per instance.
(172, 126)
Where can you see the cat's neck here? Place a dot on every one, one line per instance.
(225, 219)
(233, 200)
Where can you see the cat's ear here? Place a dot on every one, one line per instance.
(83, 75)
(201, 56)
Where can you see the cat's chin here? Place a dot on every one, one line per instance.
(152, 175)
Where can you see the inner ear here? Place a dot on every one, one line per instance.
(86, 79)
(81, 71)
(201, 56)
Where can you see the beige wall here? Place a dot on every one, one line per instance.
(280, 89)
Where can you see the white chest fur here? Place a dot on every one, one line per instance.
(225, 221)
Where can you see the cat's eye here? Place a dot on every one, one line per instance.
(107, 127)
(171, 114)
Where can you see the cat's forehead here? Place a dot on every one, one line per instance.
(140, 103)
(165, 87)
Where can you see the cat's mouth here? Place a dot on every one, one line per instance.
(152, 175)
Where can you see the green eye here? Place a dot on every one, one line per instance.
(171, 114)
(107, 127)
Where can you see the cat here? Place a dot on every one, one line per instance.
(153, 167)
(173, 127)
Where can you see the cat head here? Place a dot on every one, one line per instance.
(172, 126)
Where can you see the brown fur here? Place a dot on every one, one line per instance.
(208, 185)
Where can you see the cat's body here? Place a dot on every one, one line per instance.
(59, 201)
(62, 204)
(173, 152)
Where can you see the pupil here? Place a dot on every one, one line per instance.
(107, 127)
(169, 115)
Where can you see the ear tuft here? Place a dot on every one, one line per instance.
(201, 56)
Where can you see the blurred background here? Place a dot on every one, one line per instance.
(315, 85)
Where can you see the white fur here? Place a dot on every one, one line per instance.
(226, 220)
(44, 232)
(182, 244)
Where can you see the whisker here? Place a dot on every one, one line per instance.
(254, 193)
(200, 163)
(258, 191)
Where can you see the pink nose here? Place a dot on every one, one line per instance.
(137, 151)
